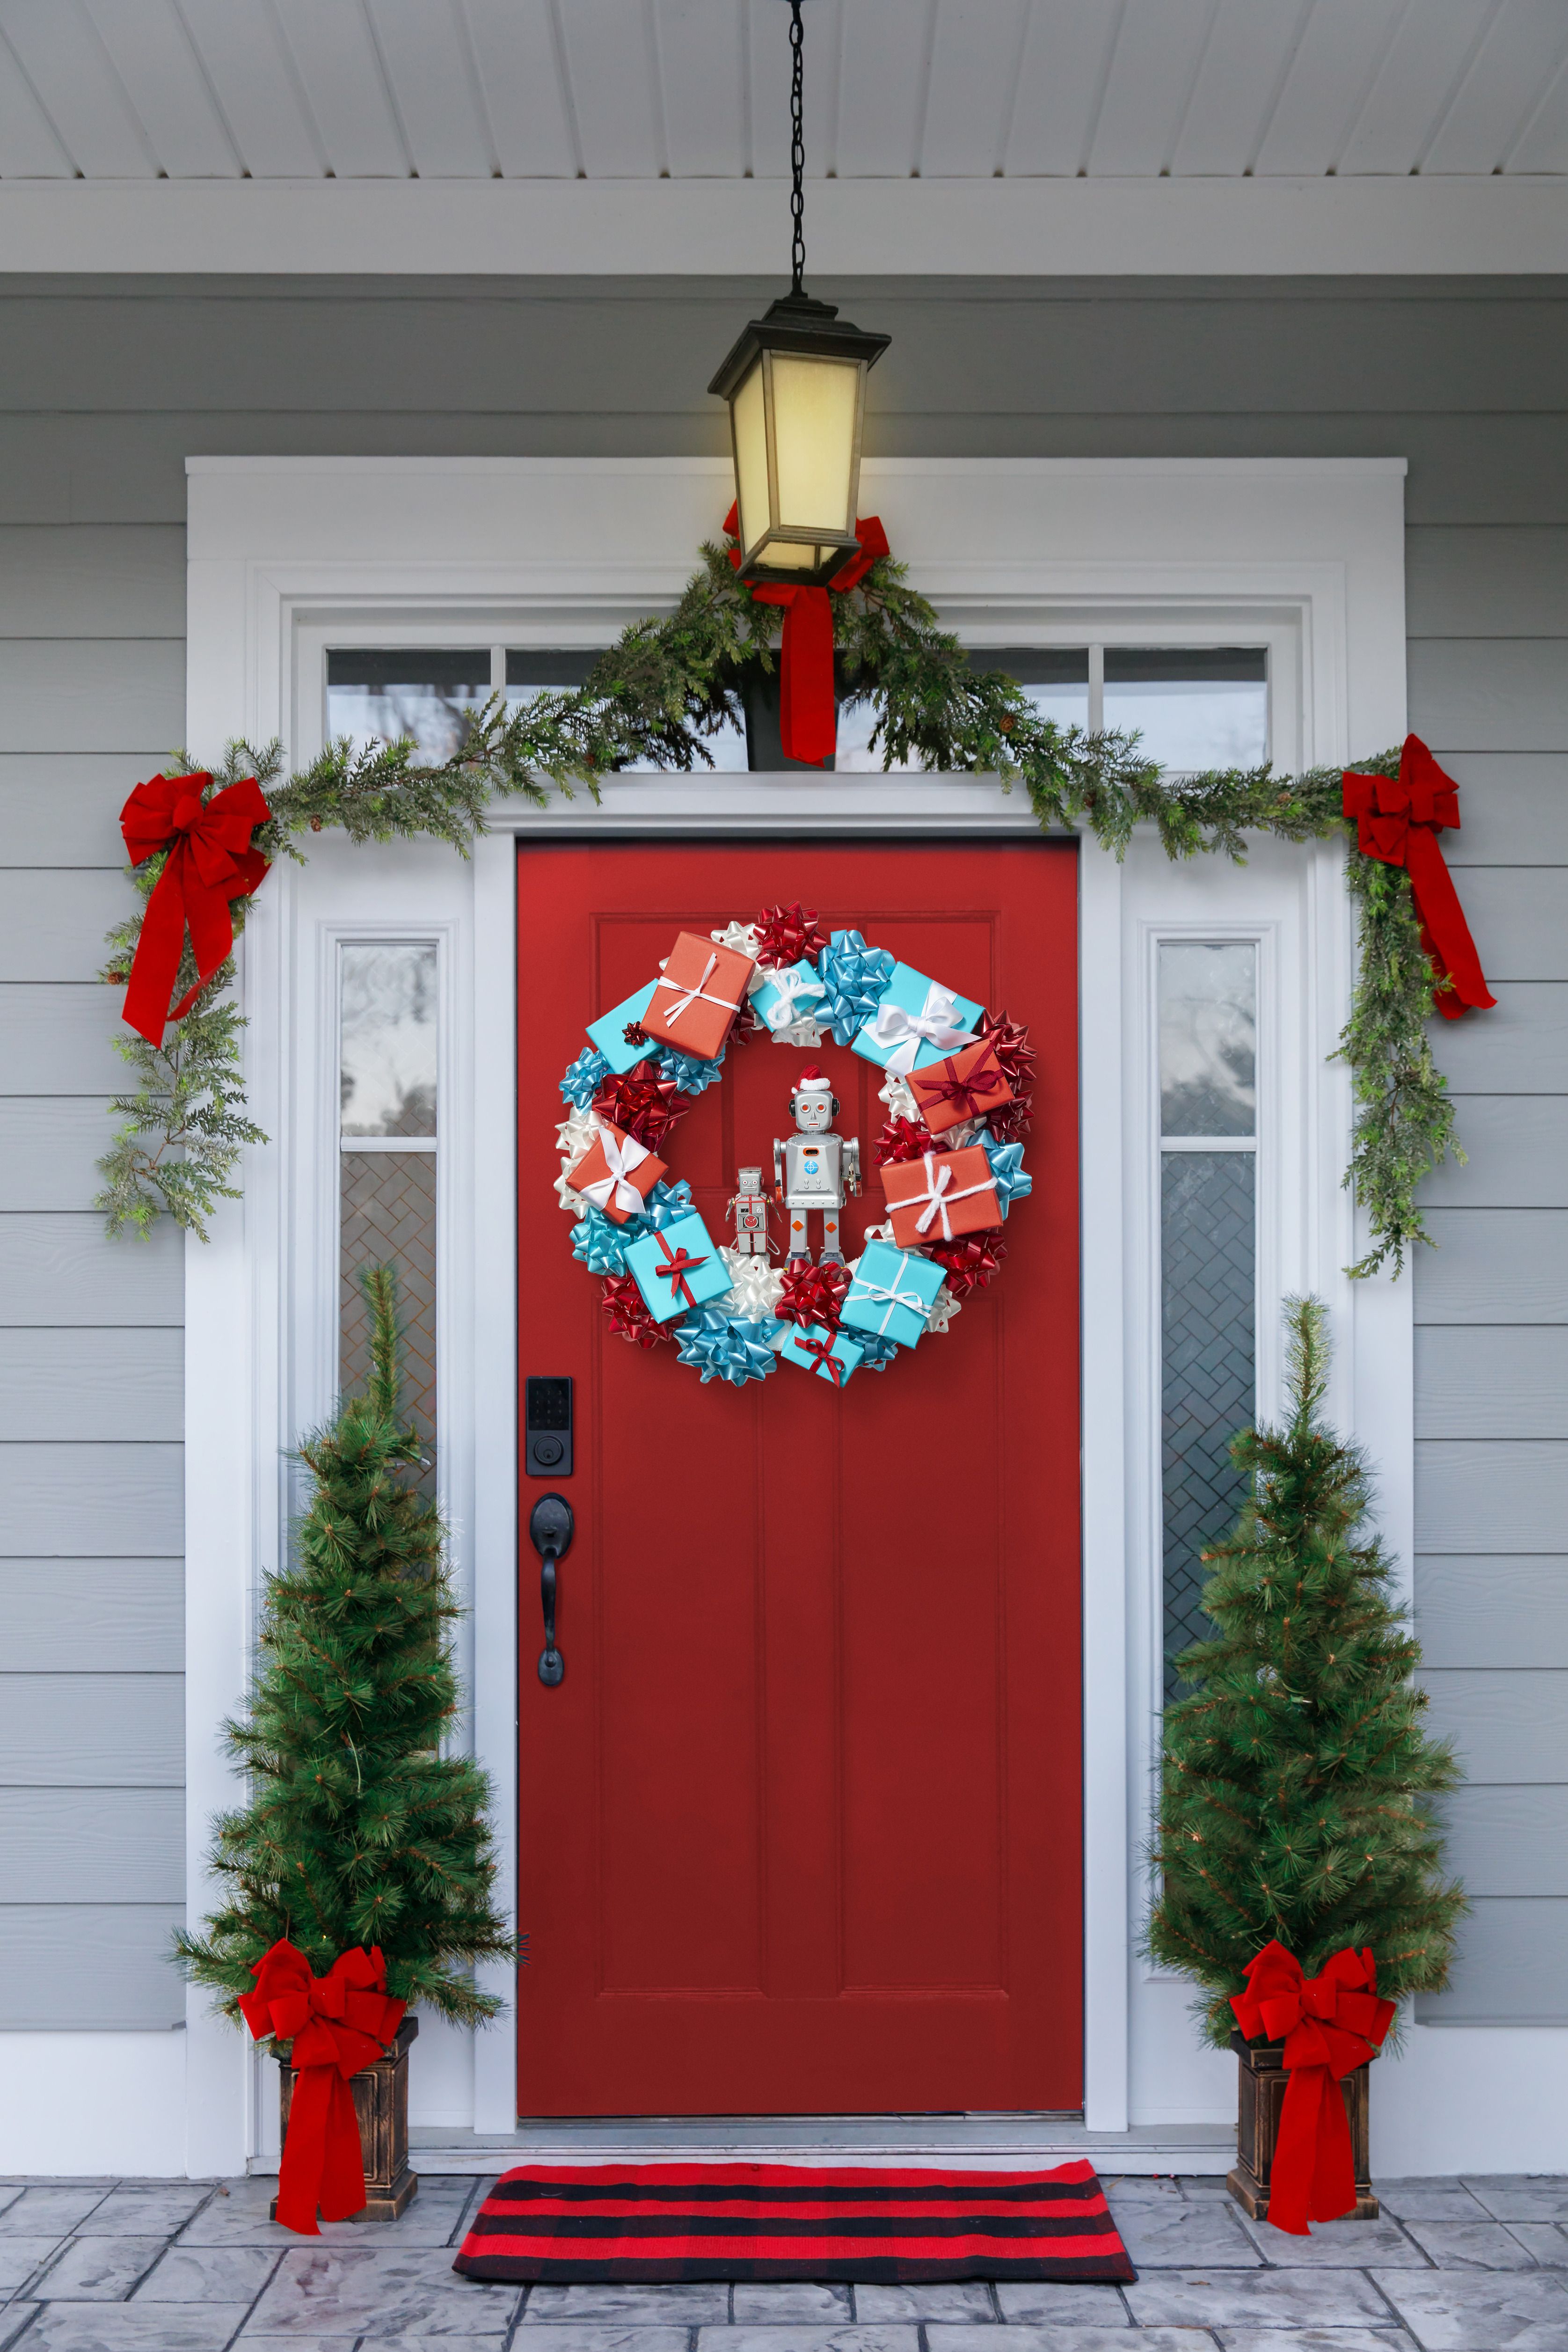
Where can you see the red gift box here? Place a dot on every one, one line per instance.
(966, 1085)
(697, 996)
(939, 1195)
(616, 1173)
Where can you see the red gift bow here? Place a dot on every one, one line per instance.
(823, 1351)
(808, 711)
(677, 1265)
(1329, 2025)
(1398, 822)
(965, 1094)
(210, 862)
(338, 2024)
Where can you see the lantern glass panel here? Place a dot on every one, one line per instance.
(749, 411)
(815, 413)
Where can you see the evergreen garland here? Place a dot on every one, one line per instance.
(654, 697)
(1295, 1778)
(359, 1831)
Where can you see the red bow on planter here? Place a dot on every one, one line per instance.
(1330, 2025)
(1399, 819)
(338, 2024)
(210, 862)
(808, 713)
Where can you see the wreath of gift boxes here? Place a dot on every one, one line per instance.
(957, 1086)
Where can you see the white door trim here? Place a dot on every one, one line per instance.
(1045, 547)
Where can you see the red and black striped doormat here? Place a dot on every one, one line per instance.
(630, 2222)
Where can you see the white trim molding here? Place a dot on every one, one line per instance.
(1397, 224)
(285, 553)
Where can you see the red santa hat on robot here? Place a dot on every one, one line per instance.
(813, 1083)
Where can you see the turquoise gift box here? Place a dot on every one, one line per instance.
(844, 1352)
(607, 1032)
(704, 1277)
(791, 993)
(886, 1283)
(911, 992)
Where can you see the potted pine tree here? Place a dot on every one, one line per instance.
(1296, 1778)
(359, 1875)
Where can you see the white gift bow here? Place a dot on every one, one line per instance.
(621, 1154)
(676, 1010)
(792, 983)
(933, 1025)
(860, 1288)
(938, 1192)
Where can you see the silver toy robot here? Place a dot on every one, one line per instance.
(750, 1207)
(813, 1168)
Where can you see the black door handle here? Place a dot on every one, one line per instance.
(550, 1527)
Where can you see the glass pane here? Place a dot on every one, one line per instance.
(529, 667)
(1195, 707)
(387, 1214)
(387, 1055)
(406, 690)
(1054, 678)
(1207, 1253)
(1209, 1037)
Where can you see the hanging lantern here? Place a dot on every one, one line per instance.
(795, 382)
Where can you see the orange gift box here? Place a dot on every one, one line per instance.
(616, 1173)
(966, 1085)
(697, 996)
(942, 1194)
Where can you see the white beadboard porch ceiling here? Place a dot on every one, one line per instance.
(463, 91)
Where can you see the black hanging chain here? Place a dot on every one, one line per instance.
(797, 151)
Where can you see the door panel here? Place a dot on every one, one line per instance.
(799, 1831)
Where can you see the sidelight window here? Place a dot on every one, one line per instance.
(1207, 1018)
(388, 1078)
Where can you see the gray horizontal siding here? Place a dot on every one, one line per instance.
(1493, 1266)
(50, 1146)
(1519, 916)
(1505, 1610)
(101, 1965)
(1490, 1495)
(1511, 1967)
(91, 694)
(63, 808)
(1510, 1726)
(1516, 1155)
(1491, 1380)
(82, 1382)
(71, 1501)
(1489, 694)
(92, 1731)
(61, 1269)
(58, 1038)
(1508, 1841)
(1513, 809)
(93, 1616)
(1486, 583)
(1519, 1048)
(92, 1846)
(97, 581)
(52, 924)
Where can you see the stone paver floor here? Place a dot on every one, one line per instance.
(1466, 2265)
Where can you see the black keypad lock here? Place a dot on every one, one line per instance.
(547, 1428)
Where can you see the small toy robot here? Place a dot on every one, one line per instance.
(750, 1208)
(813, 1168)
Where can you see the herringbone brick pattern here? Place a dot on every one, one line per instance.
(387, 1211)
(1208, 1299)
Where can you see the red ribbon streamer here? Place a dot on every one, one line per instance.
(210, 863)
(1330, 2025)
(808, 710)
(1398, 822)
(823, 1351)
(677, 1265)
(338, 2024)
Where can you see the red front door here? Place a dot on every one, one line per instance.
(799, 1831)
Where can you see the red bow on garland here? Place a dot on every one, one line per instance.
(1399, 819)
(338, 2024)
(1330, 2025)
(808, 713)
(210, 863)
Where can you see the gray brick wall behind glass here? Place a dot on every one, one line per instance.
(107, 385)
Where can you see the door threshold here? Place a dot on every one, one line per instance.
(967, 2142)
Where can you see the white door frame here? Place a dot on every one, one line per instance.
(1012, 550)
